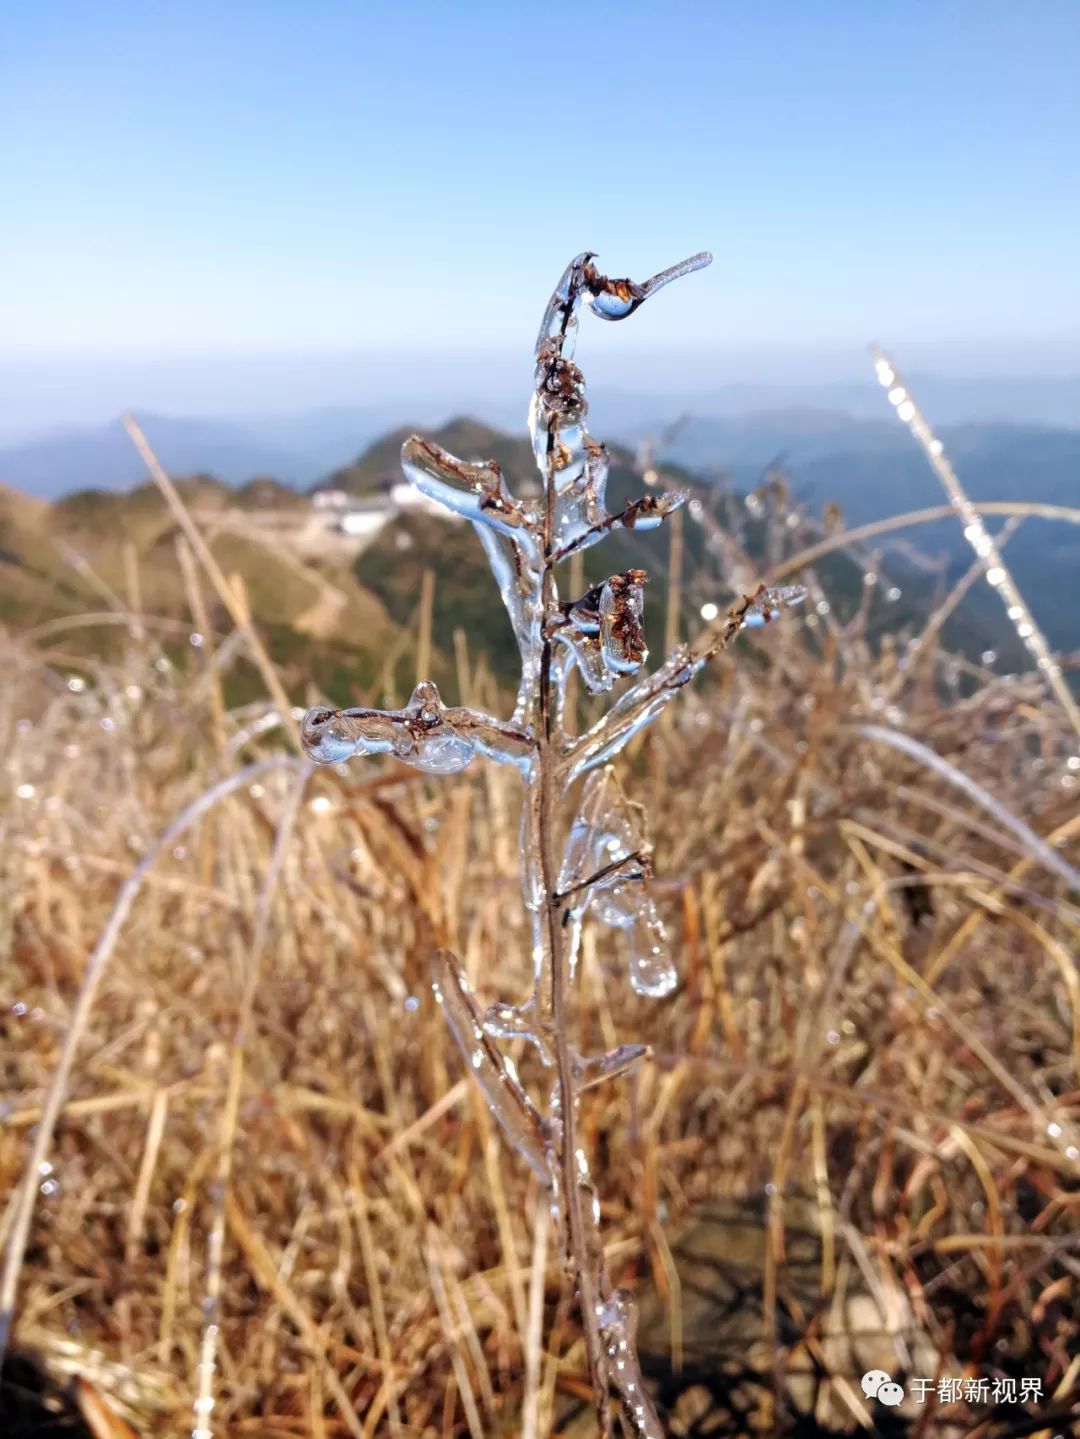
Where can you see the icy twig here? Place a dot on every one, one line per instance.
(495, 1075)
(425, 734)
(641, 704)
(606, 862)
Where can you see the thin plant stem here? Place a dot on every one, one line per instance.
(542, 781)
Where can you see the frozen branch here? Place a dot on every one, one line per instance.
(606, 862)
(641, 704)
(425, 734)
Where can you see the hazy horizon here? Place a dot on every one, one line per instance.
(45, 393)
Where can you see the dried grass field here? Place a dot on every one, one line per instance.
(855, 1144)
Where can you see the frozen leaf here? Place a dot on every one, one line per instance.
(650, 510)
(643, 514)
(560, 318)
(425, 734)
(605, 630)
(476, 491)
(622, 626)
(510, 531)
(605, 873)
(616, 299)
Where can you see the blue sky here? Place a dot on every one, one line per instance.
(275, 179)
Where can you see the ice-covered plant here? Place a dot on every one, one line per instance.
(583, 855)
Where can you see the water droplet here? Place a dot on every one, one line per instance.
(652, 972)
(442, 753)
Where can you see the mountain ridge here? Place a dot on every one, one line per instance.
(305, 447)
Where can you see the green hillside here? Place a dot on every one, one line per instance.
(466, 597)
(81, 555)
(336, 618)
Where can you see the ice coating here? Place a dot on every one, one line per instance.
(605, 872)
(618, 1318)
(606, 865)
(605, 630)
(612, 1065)
(616, 299)
(495, 1075)
(768, 603)
(510, 532)
(476, 491)
(622, 622)
(425, 734)
(652, 972)
(645, 700)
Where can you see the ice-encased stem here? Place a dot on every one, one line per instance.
(540, 798)
(601, 634)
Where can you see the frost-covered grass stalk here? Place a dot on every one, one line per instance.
(586, 856)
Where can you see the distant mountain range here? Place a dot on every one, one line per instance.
(946, 399)
(873, 468)
(730, 426)
(103, 458)
(336, 613)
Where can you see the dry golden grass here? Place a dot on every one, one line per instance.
(877, 1035)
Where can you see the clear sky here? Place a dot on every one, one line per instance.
(278, 178)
